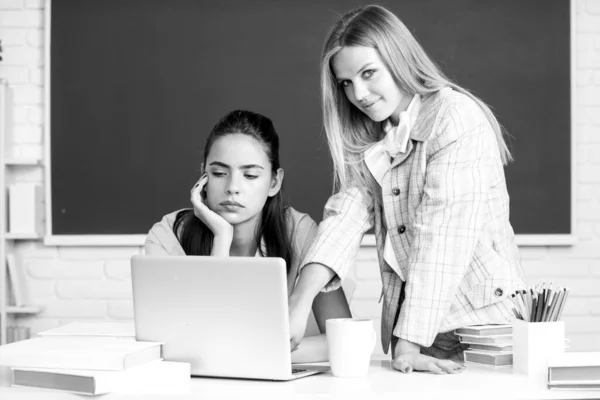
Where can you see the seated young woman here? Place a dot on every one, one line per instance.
(238, 211)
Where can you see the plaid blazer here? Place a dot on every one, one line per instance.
(445, 205)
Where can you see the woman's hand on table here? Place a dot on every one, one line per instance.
(408, 357)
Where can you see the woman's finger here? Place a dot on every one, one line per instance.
(200, 184)
(459, 367)
(435, 369)
(403, 366)
(196, 192)
(294, 344)
(448, 366)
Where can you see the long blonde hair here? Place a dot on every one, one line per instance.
(349, 131)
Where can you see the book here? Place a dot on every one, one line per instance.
(485, 330)
(125, 330)
(491, 347)
(492, 339)
(145, 377)
(78, 353)
(574, 368)
(14, 333)
(591, 385)
(496, 359)
(17, 282)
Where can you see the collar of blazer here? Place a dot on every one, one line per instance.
(429, 115)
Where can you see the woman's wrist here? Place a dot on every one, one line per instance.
(221, 245)
(300, 302)
(406, 347)
(313, 277)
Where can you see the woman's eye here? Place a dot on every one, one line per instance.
(344, 84)
(368, 73)
(218, 173)
(251, 176)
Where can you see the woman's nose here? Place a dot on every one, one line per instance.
(360, 91)
(233, 187)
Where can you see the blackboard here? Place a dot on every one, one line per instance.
(137, 85)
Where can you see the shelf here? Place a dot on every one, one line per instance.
(22, 236)
(23, 309)
(23, 162)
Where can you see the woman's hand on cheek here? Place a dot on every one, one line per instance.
(408, 357)
(217, 224)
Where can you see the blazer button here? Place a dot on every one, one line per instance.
(395, 191)
(498, 292)
(401, 229)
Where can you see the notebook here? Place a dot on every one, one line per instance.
(121, 330)
(226, 316)
(574, 370)
(99, 353)
(148, 377)
(484, 330)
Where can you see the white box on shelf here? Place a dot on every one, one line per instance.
(534, 343)
(25, 208)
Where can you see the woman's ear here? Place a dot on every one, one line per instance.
(276, 183)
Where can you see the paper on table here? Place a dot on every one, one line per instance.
(99, 328)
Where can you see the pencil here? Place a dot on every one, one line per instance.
(533, 308)
(540, 305)
(562, 304)
(527, 298)
(517, 315)
(515, 305)
(553, 304)
(549, 297)
(561, 295)
(530, 299)
(551, 300)
(522, 307)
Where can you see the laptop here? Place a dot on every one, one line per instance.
(226, 316)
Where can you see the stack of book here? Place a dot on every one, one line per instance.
(487, 344)
(92, 359)
(576, 370)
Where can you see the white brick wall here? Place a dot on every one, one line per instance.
(94, 283)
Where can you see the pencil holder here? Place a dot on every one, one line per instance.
(534, 343)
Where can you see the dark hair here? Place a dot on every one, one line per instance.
(197, 239)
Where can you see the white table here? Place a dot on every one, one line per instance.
(477, 382)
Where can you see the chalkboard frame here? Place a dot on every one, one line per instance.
(51, 239)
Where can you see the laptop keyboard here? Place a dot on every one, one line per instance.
(297, 370)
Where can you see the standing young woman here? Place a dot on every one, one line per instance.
(238, 211)
(420, 159)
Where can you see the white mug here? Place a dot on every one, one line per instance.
(351, 342)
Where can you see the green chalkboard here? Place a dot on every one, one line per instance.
(137, 85)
